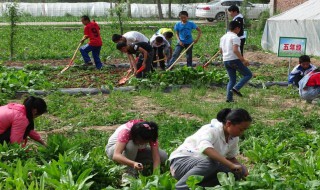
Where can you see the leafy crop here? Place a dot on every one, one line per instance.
(12, 80)
(182, 76)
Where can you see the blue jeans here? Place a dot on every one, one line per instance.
(95, 54)
(177, 52)
(232, 67)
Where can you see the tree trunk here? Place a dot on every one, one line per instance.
(159, 9)
(273, 8)
(129, 8)
(169, 12)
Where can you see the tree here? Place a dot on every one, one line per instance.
(129, 8)
(159, 9)
(169, 12)
(13, 14)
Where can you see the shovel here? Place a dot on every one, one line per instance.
(180, 56)
(123, 80)
(72, 59)
(211, 59)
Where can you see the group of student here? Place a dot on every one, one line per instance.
(211, 149)
(149, 52)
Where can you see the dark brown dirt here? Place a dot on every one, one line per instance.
(269, 58)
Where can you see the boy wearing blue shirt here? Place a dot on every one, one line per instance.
(184, 35)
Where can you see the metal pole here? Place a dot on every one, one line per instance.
(289, 65)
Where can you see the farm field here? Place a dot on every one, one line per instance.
(280, 148)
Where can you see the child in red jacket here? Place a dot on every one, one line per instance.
(16, 120)
(91, 31)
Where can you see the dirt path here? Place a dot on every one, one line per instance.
(65, 129)
(146, 107)
(252, 56)
(271, 58)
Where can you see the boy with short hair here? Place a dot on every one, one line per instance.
(160, 45)
(143, 65)
(235, 13)
(183, 30)
(130, 37)
(91, 31)
(168, 34)
(234, 61)
(300, 70)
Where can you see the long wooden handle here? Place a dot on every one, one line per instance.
(212, 58)
(75, 53)
(180, 56)
(72, 59)
(160, 60)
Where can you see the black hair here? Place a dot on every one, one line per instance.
(120, 45)
(304, 58)
(185, 13)
(159, 39)
(146, 131)
(233, 25)
(235, 116)
(31, 103)
(234, 8)
(168, 35)
(116, 38)
(85, 17)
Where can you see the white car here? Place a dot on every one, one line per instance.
(215, 10)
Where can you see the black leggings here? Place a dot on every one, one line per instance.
(243, 41)
(5, 137)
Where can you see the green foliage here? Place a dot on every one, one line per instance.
(12, 80)
(9, 152)
(182, 76)
(262, 20)
(57, 145)
(153, 182)
(193, 180)
(12, 13)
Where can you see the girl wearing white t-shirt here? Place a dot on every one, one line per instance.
(212, 149)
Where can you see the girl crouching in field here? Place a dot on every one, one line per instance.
(128, 145)
(211, 149)
(16, 120)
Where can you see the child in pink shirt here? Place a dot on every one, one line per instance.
(128, 145)
(16, 120)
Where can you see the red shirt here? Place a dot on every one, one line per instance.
(314, 80)
(92, 30)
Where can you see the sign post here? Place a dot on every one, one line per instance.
(291, 47)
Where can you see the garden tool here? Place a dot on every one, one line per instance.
(72, 59)
(180, 56)
(123, 80)
(163, 59)
(211, 59)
